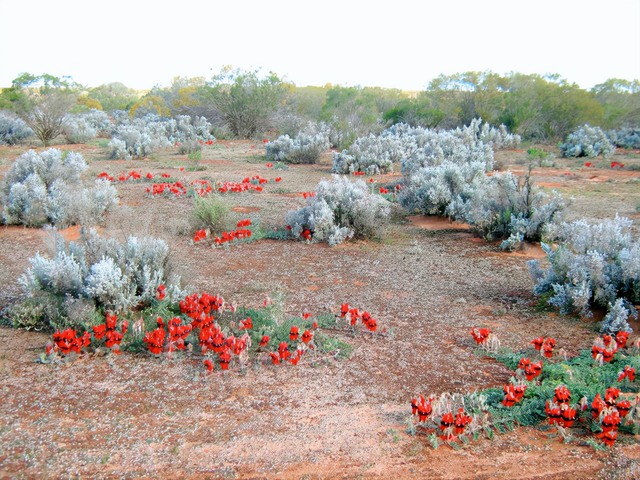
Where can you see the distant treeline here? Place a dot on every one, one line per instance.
(247, 103)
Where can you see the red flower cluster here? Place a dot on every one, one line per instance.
(530, 370)
(278, 179)
(236, 187)
(67, 341)
(108, 329)
(198, 308)
(606, 347)
(617, 164)
(544, 346)
(161, 293)
(513, 394)
(155, 339)
(175, 188)
(628, 372)
(354, 315)
(246, 324)
(177, 333)
(384, 190)
(200, 235)
(308, 194)
(201, 187)
(480, 335)
(269, 165)
(422, 408)
(358, 173)
(105, 175)
(238, 234)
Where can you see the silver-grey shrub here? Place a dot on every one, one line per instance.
(82, 127)
(139, 137)
(46, 187)
(418, 147)
(305, 147)
(625, 137)
(507, 206)
(13, 130)
(594, 264)
(116, 276)
(587, 141)
(340, 209)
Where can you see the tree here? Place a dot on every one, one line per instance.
(42, 102)
(46, 116)
(246, 102)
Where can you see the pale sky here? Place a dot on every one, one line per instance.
(397, 44)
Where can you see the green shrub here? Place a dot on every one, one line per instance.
(210, 212)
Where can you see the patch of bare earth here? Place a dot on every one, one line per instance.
(427, 283)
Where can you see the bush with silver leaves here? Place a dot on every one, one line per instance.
(82, 127)
(625, 137)
(46, 187)
(13, 130)
(594, 264)
(340, 209)
(587, 141)
(140, 137)
(115, 276)
(305, 147)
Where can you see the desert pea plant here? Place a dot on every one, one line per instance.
(594, 264)
(587, 141)
(340, 209)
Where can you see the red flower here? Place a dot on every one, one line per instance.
(253, 146)
(225, 359)
(621, 339)
(155, 339)
(609, 438)
(533, 370)
(569, 416)
(283, 351)
(275, 358)
(597, 406)
(246, 324)
(628, 372)
(278, 179)
(537, 343)
(161, 292)
(269, 165)
(294, 333)
(264, 340)
(307, 336)
(611, 395)
(344, 309)
(461, 421)
(562, 395)
(208, 364)
(99, 331)
(623, 408)
(480, 335)
(447, 421)
(422, 408)
(509, 399)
